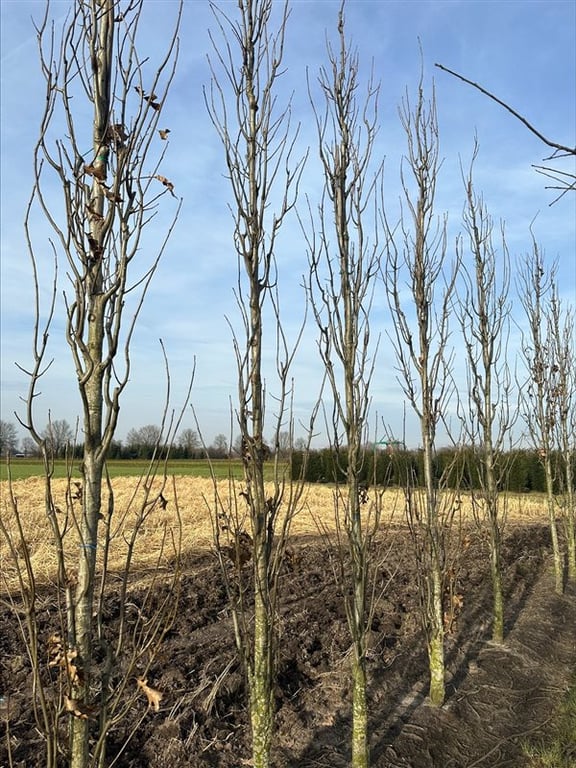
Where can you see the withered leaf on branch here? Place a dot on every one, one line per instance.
(168, 184)
(154, 697)
(97, 171)
(453, 612)
(55, 648)
(59, 657)
(152, 99)
(164, 133)
(72, 577)
(240, 552)
(74, 672)
(79, 709)
(117, 132)
(163, 501)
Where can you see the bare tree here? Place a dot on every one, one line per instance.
(59, 437)
(300, 444)
(107, 199)
(220, 445)
(484, 313)
(344, 267)
(562, 385)
(143, 442)
(285, 443)
(565, 180)
(538, 399)
(417, 257)
(255, 519)
(8, 438)
(29, 447)
(147, 435)
(189, 440)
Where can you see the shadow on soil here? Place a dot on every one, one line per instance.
(496, 695)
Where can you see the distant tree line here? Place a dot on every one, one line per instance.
(521, 470)
(143, 443)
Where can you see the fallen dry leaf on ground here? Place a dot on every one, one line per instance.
(154, 697)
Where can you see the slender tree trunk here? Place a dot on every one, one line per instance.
(94, 456)
(261, 681)
(551, 504)
(360, 746)
(437, 690)
(571, 544)
(433, 543)
(357, 609)
(436, 633)
(91, 506)
(492, 503)
(357, 543)
(570, 512)
(496, 576)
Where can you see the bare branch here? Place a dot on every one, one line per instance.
(566, 180)
(517, 115)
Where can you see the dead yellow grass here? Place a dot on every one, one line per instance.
(160, 532)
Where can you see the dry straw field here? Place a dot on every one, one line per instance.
(183, 518)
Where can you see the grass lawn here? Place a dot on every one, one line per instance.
(21, 469)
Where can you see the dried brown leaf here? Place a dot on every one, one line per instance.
(168, 184)
(79, 709)
(154, 697)
(97, 171)
(116, 133)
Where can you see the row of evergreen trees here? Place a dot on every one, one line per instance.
(520, 471)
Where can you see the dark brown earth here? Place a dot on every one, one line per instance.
(499, 697)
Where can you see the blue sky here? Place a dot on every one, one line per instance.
(524, 51)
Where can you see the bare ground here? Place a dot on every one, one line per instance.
(499, 697)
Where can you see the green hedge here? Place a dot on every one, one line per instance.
(519, 471)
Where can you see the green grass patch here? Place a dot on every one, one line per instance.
(20, 469)
(556, 748)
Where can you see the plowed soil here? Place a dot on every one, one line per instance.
(498, 697)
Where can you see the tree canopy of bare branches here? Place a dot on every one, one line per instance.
(548, 395)
(486, 415)
(258, 144)
(417, 257)
(341, 286)
(107, 171)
